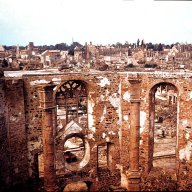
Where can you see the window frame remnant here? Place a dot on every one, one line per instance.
(71, 100)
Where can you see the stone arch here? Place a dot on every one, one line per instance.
(71, 99)
(155, 83)
(151, 131)
(74, 91)
(65, 81)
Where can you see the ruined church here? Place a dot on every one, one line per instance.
(95, 130)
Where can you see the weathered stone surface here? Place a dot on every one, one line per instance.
(108, 122)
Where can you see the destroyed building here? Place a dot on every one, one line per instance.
(88, 123)
(95, 130)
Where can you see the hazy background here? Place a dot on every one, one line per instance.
(100, 21)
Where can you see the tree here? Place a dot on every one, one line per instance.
(75, 44)
(138, 41)
(143, 44)
(160, 47)
(118, 45)
(61, 46)
(150, 46)
(72, 47)
(126, 44)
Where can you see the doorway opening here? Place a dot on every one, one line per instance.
(163, 125)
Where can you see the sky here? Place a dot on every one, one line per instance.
(48, 22)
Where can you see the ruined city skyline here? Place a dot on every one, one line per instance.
(102, 22)
(74, 44)
(98, 112)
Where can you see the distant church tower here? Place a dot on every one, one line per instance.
(17, 51)
(30, 48)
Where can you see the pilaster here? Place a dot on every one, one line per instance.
(47, 104)
(133, 172)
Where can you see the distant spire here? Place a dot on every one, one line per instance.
(17, 51)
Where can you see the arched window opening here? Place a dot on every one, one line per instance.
(71, 100)
(164, 125)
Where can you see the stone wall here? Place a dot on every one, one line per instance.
(104, 117)
(109, 120)
(4, 142)
(14, 168)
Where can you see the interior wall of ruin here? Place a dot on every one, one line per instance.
(4, 157)
(108, 107)
(183, 141)
(14, 164)
(104, 125)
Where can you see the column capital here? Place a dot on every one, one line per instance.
(135, 88)
(134, 81)
(45, 93)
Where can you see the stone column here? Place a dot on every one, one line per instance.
(47, 104)
(133, 172)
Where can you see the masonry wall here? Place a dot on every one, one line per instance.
(109, 96)
(14, 167)
(5, 155)
(104, 124)
(183, 146)
(33, 127)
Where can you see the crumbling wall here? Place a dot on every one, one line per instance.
(184, 150)
(183, 146)
(125, 129)
(33, 126)
(108, 107)
(4, 142)
(14, 134)
(104, 123)
(109, 122)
